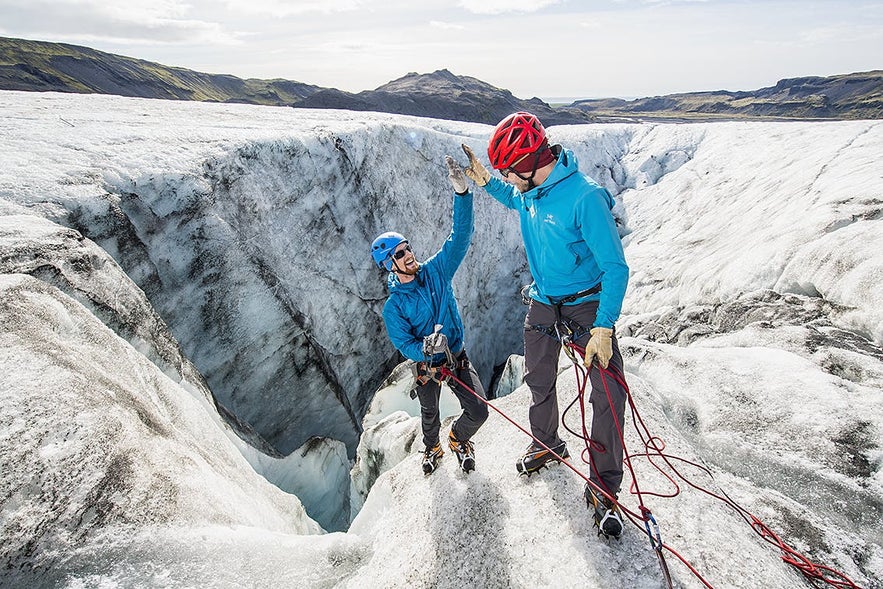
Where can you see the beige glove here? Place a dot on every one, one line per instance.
(600, 345)
(476, 169)
(455, 175)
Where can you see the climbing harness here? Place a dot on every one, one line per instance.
(428, 370)
(525, 297)
(565, 330)
(425, 371)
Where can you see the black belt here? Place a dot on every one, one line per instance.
(564, 326)
(583, 293)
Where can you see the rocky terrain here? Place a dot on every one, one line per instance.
(848, 96)
(57, 67)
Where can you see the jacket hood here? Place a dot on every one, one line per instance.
(566, 166)
(393, 283)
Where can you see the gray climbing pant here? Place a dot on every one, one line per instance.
(541, 352)
(474, 410)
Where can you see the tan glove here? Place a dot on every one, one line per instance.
(600, 346)
(476, 169)
(455, 175)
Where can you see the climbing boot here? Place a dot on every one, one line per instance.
(465, 452)
(536, 457)
(431, 456)
(605, 512)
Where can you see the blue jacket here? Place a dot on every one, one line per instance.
(414, 308)
(570, 238)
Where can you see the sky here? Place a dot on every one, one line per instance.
(544, 48)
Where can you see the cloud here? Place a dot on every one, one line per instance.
(126, 21)
(284, 8)
(124, 10)
(504, 6)
(446, 25)
(839, 33)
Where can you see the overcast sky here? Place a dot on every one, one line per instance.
(545, 48)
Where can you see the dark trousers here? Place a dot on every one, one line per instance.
(541, 373)
(474, 410)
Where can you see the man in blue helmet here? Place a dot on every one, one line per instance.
(423, 323)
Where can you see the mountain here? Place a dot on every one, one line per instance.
(443, 95)
(58, 67)
(847, 96)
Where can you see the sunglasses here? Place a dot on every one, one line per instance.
(511, 169)
(401, 253)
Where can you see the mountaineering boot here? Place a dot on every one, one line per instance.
(465, 452)
(535, 457)
(431, 456)
(605, 513)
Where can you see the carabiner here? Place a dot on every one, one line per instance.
(654, 535)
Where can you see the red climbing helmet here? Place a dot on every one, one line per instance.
(517, 135)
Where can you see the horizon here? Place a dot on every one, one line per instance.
(552, 100)
(615, 49)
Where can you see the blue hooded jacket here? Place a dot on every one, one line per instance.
(570, 238)
(414, 308)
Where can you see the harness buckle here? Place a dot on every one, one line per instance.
(525, 299)
(425, 371)
(563, 332)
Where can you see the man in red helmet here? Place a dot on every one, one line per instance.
(580, 277)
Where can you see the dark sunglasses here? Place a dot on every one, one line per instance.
(506, 171)
(401, 253)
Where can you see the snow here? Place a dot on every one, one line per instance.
(94, 436)
(198, 391)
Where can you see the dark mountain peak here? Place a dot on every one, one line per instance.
(443, 73)
(438, 81)
(59, 67)
(443, 95)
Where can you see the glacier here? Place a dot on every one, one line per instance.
(199, 390)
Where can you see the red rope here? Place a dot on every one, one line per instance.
(654, 447)
(812, 571)
(446, 372)
(631, 516)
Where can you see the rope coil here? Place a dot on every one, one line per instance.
(654, 449)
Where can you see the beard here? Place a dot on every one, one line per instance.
(409, 269)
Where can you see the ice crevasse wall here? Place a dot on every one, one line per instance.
(249, 234)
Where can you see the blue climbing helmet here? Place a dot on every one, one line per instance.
(383, 247)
